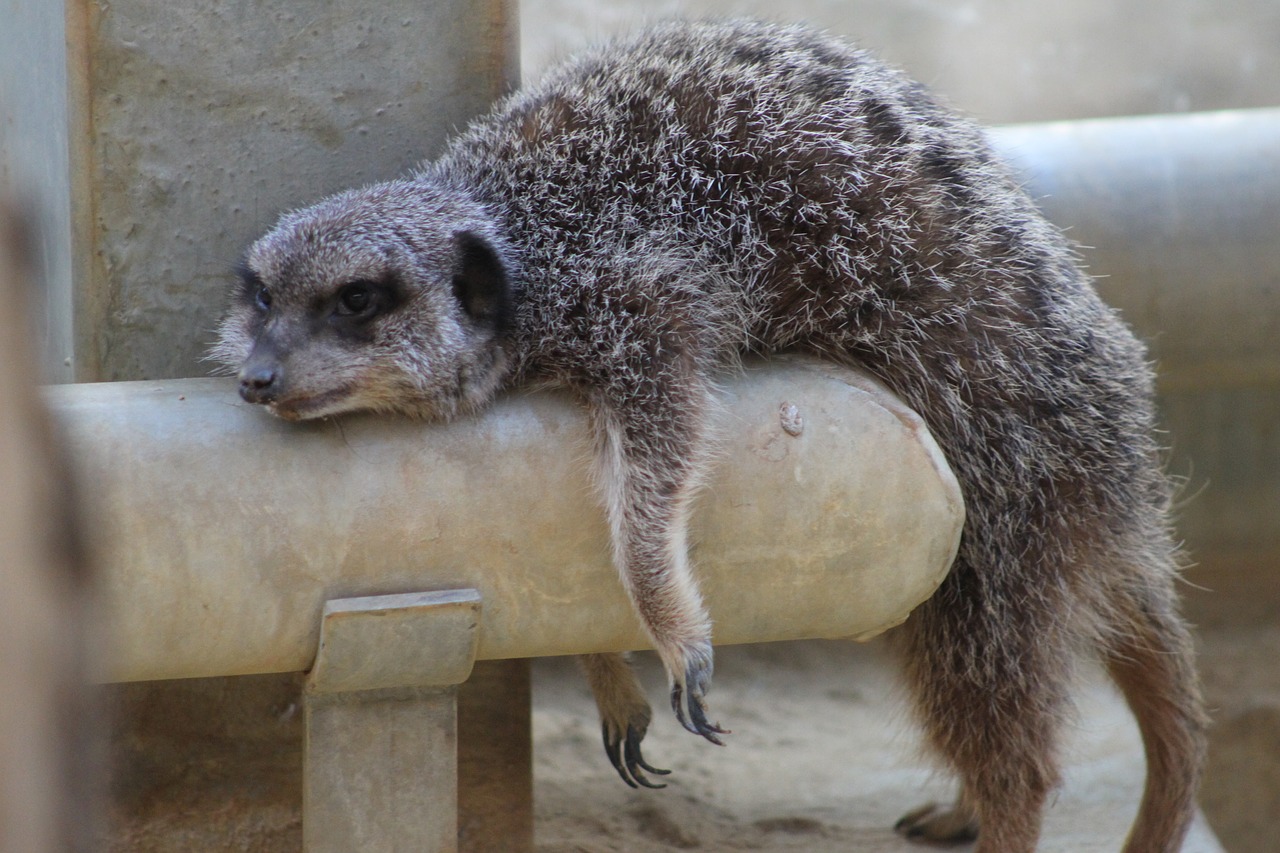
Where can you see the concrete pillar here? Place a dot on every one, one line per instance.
(34, 163)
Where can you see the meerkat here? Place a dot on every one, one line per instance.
(645, 215)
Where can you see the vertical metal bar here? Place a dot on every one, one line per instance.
(381, 743)
(381, 771)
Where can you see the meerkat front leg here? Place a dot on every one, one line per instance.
(651, 456)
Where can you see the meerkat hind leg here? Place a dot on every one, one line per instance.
(996, 726)
(624, 715)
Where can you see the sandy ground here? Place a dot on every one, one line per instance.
(822, 758)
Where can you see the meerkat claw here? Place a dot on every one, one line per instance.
(614, 747)
(937, 825)
(698, 715)
(635, 761)
(695, 721)
(624, 754)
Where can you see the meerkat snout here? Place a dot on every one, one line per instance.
(258, 381)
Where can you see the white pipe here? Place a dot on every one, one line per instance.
(1180, 219)
(224, 531)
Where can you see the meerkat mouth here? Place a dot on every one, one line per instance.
(332, 402)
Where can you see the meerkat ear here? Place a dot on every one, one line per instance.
(480, 281)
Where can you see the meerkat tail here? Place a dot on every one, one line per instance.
(1150, 657)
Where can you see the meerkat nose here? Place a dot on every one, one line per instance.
(258, 383)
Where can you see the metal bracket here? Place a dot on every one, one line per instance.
(420, 639)
(381, 722)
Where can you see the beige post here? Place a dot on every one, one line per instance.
(495, 759)
(46, 767)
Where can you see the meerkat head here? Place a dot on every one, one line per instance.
(396, 297)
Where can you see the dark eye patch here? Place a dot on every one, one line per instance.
(251, 289)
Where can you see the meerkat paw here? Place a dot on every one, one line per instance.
(939, 825)
(622, 745)
(623, 725)
(688, 695)
(624, 716)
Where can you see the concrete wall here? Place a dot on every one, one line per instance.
(1002, 60)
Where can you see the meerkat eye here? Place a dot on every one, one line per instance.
(356, 299)
(358, 302)
(262, 299)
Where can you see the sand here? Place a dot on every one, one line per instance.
(823, 757)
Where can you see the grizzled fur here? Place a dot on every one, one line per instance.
(645, 215)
